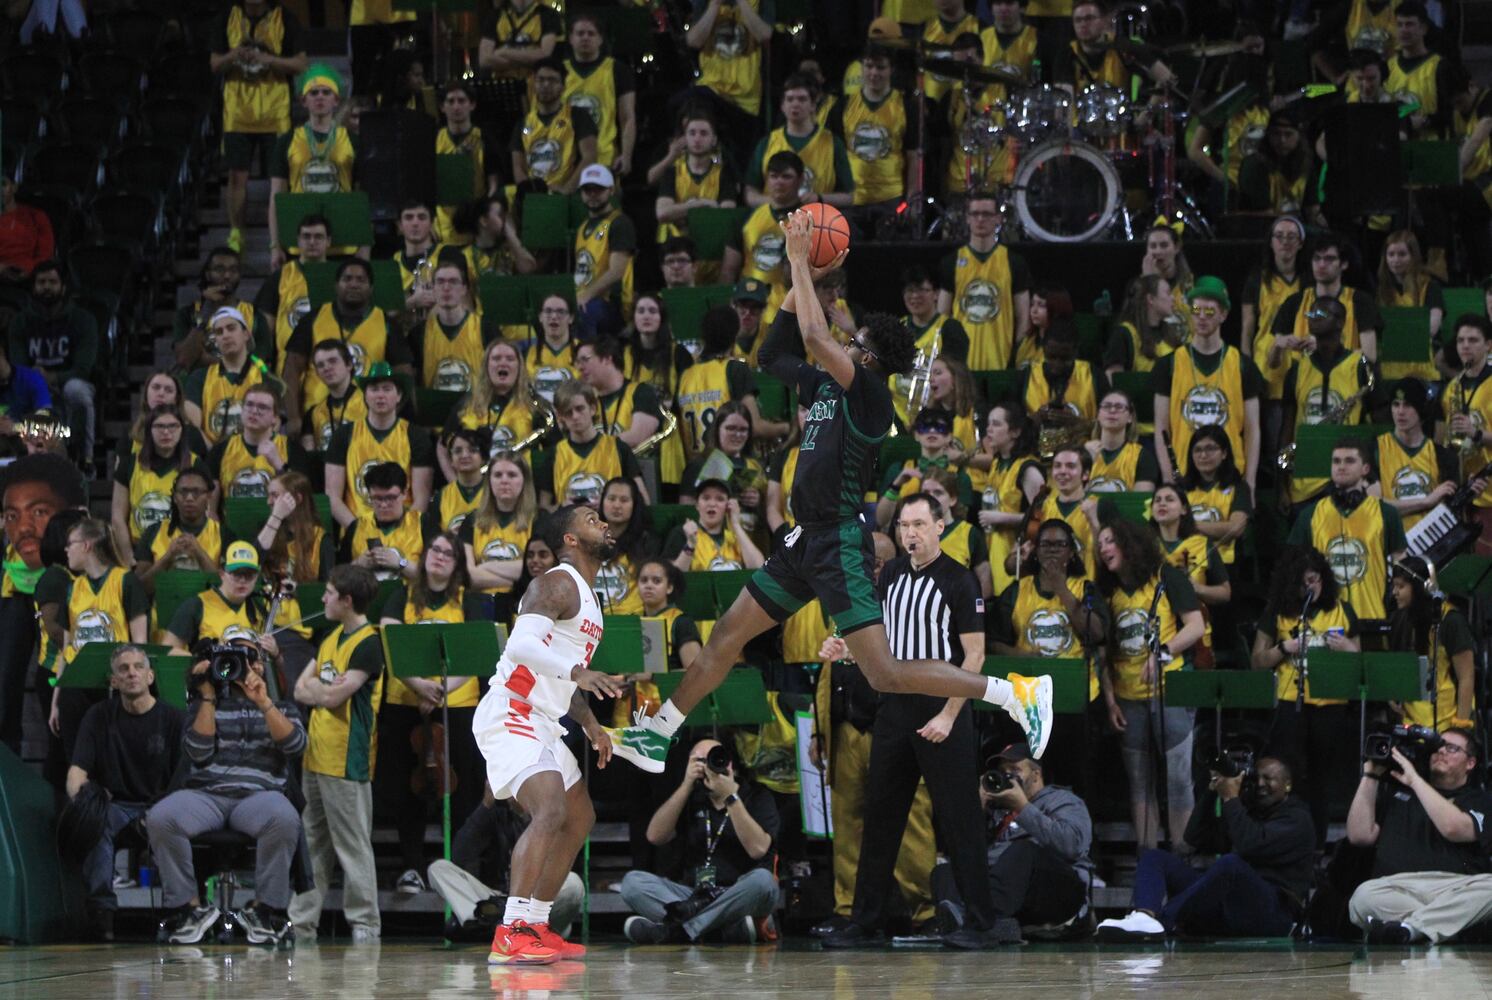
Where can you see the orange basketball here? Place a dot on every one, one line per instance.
(831, 233)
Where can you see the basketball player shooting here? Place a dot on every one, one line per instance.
(543, 674)
(829, 555)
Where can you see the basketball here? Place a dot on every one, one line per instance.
(831, 233)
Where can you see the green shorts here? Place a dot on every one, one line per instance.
(239, 147)
(834, 564)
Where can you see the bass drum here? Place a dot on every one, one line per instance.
(1067, 192)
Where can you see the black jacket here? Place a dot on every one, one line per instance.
(1278, 842)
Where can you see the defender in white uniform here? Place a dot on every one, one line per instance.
(541, 676)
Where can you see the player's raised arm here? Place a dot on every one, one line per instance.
(798, 228)
(549, 598)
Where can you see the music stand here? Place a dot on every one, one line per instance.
(1070, 683)
(89, 670)
(460, 649)
(741, 700)
(1364, 677)
(1220, 689)
(620, 651)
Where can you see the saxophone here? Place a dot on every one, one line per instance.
(1465, 444)
(1285, 460)
(543, 422)
(649, 444)
(919, 380)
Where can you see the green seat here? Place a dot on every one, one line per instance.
(455, 178)
(244, 517)
(388, 284)
(1406, 334)
(1138, 386)
(698, 600)
(1134, 506)
(172, 589)
(504, 297)
(433, 406)
(348, 212)
(997, 385)
(686, 307)
(727, 586)
(1091, 331)
(774, 397)
(667, 516)
(1459, 301)
(546, 221)
(711, 230)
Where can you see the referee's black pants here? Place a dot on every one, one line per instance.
(898, 758)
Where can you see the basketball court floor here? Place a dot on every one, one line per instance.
(1243, 971)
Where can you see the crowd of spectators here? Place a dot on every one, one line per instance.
(1147, 500)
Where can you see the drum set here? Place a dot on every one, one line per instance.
(1070, 167)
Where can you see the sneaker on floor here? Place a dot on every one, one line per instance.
(1390, 932)
(553, 939)
(1136, 926)
(829, 926)
(1005, 930)
(188, 925)
(519, 944)
(1032, 709)
(856, 936)
(641, 930)
(640, 746)
(410, 883)
(262, 925)
(235, 240)
(365, 935)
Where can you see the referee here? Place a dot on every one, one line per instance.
(932, 611)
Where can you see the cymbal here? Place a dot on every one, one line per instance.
(1205, 50)
(954, 69)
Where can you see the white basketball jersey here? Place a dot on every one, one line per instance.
(570, 641)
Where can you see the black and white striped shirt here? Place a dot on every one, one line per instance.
(927, 610)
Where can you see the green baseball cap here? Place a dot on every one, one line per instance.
(1210, 287)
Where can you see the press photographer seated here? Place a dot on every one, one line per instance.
(727, 823)
(1267, 843)
(240, 745)
(1039, 866)
(1429, 827)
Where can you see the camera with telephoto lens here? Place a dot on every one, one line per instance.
(1234, 762)
(995, 782)
(718, 760)
(1415, 742)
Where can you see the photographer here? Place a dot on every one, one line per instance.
(727, 827)
(1258, 884)
(129, 747)
(240, 745)
(1428, 824)
(1039, 866)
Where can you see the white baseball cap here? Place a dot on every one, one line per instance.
(597, 175)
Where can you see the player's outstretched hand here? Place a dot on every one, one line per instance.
(833, 265)
(798, 227)
(605, 685)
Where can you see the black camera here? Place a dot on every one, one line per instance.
(1234, 762)
(1414, 742)
(995, 782)
(718, 760)
(227, 664)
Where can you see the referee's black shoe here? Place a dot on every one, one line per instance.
(832, 925)
(855, 936)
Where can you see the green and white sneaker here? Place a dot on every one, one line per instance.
(641, 745)
(1032, 709)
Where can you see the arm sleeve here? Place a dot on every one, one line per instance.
(527, 647)
(193, 387)
(1455, 634)
(646, 401)
(684, 631)
(1284, 317)
(1117, 350)
(779, 354)
(1179, 590)
(1020, 274)
(336, 452)
(868, 404)
(1146, 467)
(1300, 531)
(142, 547)
(124, 469)
(1160, 376)
(674, 543)
(368, 657)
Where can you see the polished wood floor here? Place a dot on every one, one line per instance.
(1232, 972)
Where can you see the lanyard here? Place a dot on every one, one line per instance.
(712, 836)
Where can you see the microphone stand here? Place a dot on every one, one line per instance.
(1158, 698)
(1303, 657)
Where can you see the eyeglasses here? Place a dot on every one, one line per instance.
(1452, 749)
(1205, 448)
(1054, 543)
(259, 407)
(1208, 311)
(1114, 407)
(442, 550)
(1286, 237)
(165, 427)
(386, 497)
(1326, 258)
(859, 342)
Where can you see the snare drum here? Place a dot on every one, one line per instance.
(1102, 113)
(1067, 192)
(1038, 113)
